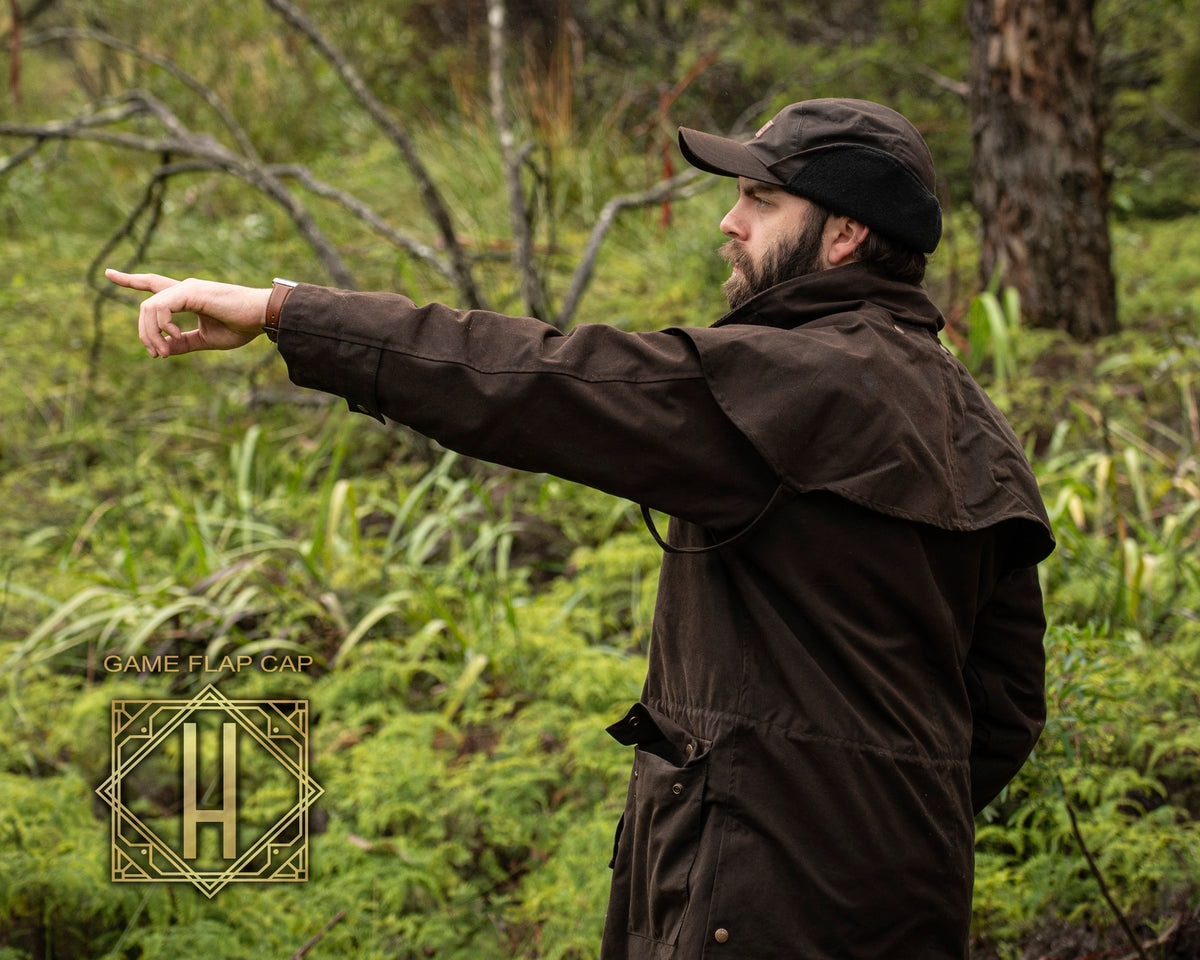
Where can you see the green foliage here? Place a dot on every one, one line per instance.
(1120, 749)
(54, 900)
(472, 630)
(1113, 431)
(1150, 55)
(466, 668)
(993, 328)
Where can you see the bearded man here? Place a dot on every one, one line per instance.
(846, 661)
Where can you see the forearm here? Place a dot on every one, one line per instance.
(1005, 674)
(627, 413)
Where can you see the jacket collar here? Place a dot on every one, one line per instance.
(836, 290)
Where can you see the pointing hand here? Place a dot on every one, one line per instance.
(229, 315)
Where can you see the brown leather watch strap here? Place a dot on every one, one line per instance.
(279, 294)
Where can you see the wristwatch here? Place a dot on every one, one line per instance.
(279, 293)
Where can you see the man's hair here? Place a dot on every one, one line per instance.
(893, 258)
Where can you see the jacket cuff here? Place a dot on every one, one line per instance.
(322, 350)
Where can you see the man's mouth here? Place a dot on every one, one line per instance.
(733, 254)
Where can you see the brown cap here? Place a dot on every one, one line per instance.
(855, 157)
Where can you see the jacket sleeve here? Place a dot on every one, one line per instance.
(1005, 676)
(628, 413)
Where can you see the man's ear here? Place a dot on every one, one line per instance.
(842, 238)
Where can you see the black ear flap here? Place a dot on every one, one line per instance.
(875, 188)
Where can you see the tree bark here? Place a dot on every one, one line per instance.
(1039, 183)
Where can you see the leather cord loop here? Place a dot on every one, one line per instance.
(776, 498)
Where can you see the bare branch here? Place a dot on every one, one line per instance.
(299, 954)
(204, 152)
(160, 111)
(432, 200)
(206, 93)
(152, 202)
(742, 125)
(18, 158)
(520, 218)
(685, 185)
(363, 212)
(90, 127)
(957, 87)
(1176, 121)
(1112, 904)
(65, 129)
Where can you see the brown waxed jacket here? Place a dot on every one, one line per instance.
(847, 657)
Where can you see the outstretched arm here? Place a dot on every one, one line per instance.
(628, 413)
(229, 315)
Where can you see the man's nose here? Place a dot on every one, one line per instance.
(732, 226)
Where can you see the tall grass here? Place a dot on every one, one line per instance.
(474, 630)
(281, 553)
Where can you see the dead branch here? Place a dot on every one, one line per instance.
(1156, 942)
(1178, 123)
(208, 95)
(1112, 904)
(18, 158)
(520, 218)
(202, 151)
(677, 188)
(206, 154)
(190, 151)
(299, 954)
(430, 196)
(681, 187)
(366, 214)
(152, 204)
(66, 129)
(957, 87)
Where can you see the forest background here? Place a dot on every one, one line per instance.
(472, 629)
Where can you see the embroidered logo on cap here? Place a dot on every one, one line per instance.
(764, 128)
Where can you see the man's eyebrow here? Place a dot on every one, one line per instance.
(754, 188)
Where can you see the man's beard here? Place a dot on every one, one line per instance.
(786, 260)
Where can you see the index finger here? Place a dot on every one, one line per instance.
(150, 282)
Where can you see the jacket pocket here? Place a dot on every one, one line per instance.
(660, 831)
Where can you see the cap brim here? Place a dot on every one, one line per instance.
(722, 156)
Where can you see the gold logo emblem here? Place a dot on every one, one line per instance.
(168, 757)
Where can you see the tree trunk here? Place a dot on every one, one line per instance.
(1039, 184)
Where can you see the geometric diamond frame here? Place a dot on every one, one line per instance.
(141, 726)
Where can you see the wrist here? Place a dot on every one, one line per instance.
(280, 290)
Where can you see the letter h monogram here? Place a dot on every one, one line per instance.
(227, 814)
